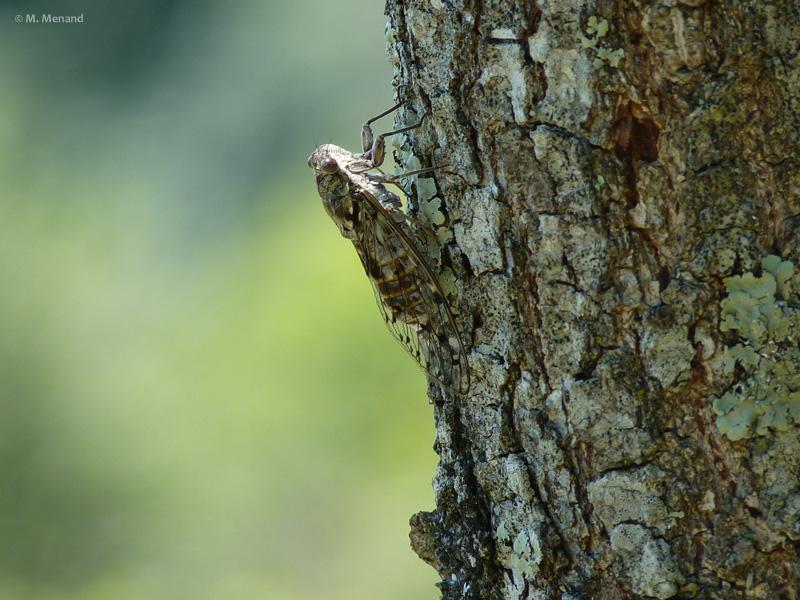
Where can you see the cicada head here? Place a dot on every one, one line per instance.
(323, 159)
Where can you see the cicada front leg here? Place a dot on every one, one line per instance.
(374, 148)
(367, 137)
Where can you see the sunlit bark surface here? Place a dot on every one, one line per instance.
(611, 164)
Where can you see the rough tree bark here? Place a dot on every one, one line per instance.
(621, 215)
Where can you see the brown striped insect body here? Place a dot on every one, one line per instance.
(407, 290)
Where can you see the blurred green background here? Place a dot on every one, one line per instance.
(197, 395)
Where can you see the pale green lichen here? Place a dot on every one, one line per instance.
(428, 216)
(404, 156)
(597, 29)
(429, 205)
(435, 239)
(524, 554)
(447, 279)
(432, 219)
(502, 534)
(600, 181)
(782, 270)
(606, 55)
(759, 310)
(527, 554)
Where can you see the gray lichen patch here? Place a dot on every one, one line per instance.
(432, 226)
(517, 519)
(573, 251)
(568, 71)
(666, 348)
(605, 413)
(681, 38)
(718, 252)
(553, 478)
(507, 20)
(483, 417)
(645, 561)
(667, 354)
(479, 232)
(554, 153)
(495, 340)
(458, 140)
(767, 325)
(776, 463)
(571, 264)
(507, 83)
(631, 496)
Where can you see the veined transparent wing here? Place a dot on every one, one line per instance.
(409, 294)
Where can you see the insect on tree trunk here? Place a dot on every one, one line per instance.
(622, 218)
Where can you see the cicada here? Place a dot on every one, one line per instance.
(406, 287)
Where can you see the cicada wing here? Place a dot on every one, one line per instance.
(427, 330)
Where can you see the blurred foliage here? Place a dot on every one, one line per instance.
(198, 398)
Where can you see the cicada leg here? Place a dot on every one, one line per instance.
(392, 178)
(374, 148)
(367, 139)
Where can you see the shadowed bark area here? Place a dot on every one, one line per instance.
(613, 168)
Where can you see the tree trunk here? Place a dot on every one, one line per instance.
(621, 214)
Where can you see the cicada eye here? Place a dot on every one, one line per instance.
(328, 165)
